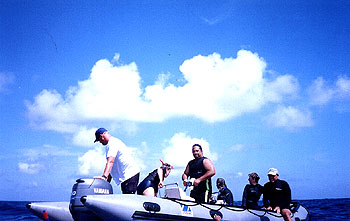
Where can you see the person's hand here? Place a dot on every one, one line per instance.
(269, 208)
(217, 217)
(277, 209)
(160, 185)
(196, 182)
(100, 177)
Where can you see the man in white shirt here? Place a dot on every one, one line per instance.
(120, 164)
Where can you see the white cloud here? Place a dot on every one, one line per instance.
(92, 162)
(289, 118)
(179, 150)
(285, 85)
(343, 87)
(84, 137)
(30, 168)
(215, 89)
(321, 92)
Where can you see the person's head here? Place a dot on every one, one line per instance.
(197, 151)
(272, 174)
(253, 178)
(167, 168)
(220, 183)
(102, 136)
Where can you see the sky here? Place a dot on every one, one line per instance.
(258, 84)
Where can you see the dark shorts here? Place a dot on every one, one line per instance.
(144, 185)
(200, 196)
(129, 186)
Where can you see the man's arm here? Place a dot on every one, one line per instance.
(185, 175)
(287, 195)
(108, 167)
(208, 165)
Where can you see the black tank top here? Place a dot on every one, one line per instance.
(196, 170)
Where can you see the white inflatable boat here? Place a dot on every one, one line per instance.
(93, 199)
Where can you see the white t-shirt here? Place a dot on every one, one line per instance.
(124, 166)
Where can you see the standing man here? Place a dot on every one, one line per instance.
(202, 169)
(120, 164)
(277, 195)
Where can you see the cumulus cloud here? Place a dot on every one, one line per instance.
(277, 89)
(214, 89)
(179, 150)
(84, 137)
(289, 118)
(321, 92)
(92, 162)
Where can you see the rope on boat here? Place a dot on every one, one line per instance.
(191, 203)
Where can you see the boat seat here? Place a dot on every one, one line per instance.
(177, 193)
(172, 193)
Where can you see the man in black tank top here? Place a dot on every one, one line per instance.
(202, 169)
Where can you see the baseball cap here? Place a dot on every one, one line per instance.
(272, 171)
(98, 133)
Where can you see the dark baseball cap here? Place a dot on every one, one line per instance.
(98, 133)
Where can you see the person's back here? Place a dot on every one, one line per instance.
(125, 165)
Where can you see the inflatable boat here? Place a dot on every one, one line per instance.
(93, 199)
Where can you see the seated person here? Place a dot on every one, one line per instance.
(277, 195)
(149, 186)
(252, 192)
(224, 193)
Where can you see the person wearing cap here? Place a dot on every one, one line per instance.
(277, 195)
(202, 169)
(149, 186)
(252, 192)
(120, 164)
(224, 193)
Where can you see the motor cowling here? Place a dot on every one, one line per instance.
(84, 187)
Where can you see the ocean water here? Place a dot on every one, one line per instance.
(320, 209)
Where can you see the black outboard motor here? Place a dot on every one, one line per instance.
(84, 187)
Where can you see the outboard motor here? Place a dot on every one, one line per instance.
(84, 187)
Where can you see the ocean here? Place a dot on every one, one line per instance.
(320, 209)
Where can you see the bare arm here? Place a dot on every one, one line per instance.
(185, 175)
(106, 173)
(161, 178)
(208, 165)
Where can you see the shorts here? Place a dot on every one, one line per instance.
(200, 196)
(144, 185)
(129, 186)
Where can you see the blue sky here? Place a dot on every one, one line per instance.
(259, 84)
